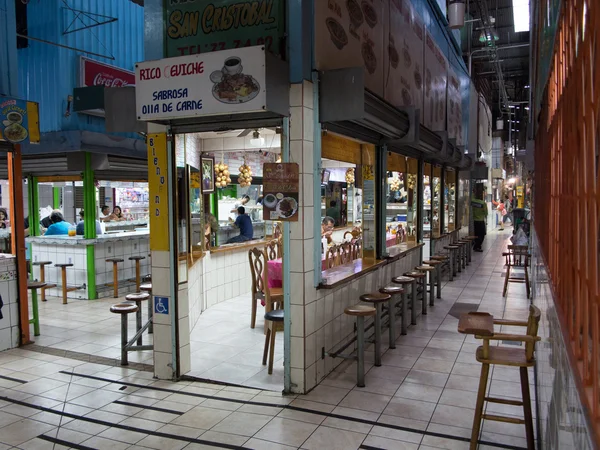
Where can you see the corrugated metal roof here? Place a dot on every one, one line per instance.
(48, 74)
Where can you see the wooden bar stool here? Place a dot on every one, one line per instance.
(65, 288)
(137, 260)
(392, 291)
(43, 265)
(147, 287)
(431, 271)
(420, 278)
(360, 312)
(376, 299)
(452, 252)
(517, 257)
(33, 286)
(470, 239)
(404, 282)
(124, 309)
(445, 260)
(138, 298)
(438, 274)
(465, 245)
(115, 284)
(482, 326)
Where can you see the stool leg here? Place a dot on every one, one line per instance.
(266, 350)
(404, 315)
(115, 280)
(451, 268)
(124, 361)
(64, 284)
(272, 347)
(438, 278)
(43, 280)
(378, 335)
(138, 321)
(360, 357)
(150, 313)
(413, 311)
(137, 275)
(431, 288)
(36, 316)
(485, 369)
(392, 328)
(423, 284)
(459, 264)
(527, 408)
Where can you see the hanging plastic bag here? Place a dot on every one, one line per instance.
(520, 237)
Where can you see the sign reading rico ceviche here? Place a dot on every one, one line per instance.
(226, 82)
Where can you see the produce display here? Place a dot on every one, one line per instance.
(222, 176)
(350, 176)
(245, 177)
(395, 184)
(412, 181)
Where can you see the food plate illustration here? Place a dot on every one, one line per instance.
(15, 133)
(232, 86)
(287, 207)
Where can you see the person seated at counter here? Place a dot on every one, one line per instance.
(333, 212)
(59, 227)
(105, 214)
(47, 221)
(327, 225)
(79, 229)
(117, 215)
(244, 223)
(3, 218)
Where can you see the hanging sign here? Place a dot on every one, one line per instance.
(158, 192)
(198, 26)
(281, 186)
(227, 82)
(94, 73)
(19, 121)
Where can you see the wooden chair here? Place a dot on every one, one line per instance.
(345, 253)
(357, 248)
(277, 232)
(260, 283)
(516, 257)
(354, 234)
(482, 326)
(332, 257)
(272, 250)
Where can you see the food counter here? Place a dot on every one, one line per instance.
(9, 311)
(65, 249)
(125, 225)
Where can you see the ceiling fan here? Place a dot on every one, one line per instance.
(247, 131)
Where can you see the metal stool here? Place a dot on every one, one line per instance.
(392, 291)
(438, 274)
(377, 299)
(33, 286)
(452, 252)
(65, 288)
(147, 287)
(138, 298)
(404, 281)
(360, 312)
(420, 278)
(115, 283)
(137, 260)
(464, 251)
(124, 309)
(445, 260)
(431, 270)
(43, 265)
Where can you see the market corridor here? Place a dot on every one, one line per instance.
(422, 397)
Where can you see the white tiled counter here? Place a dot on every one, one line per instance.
(9, 301)
(64, 249)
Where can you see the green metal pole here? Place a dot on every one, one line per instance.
(89, 224)
(34, 208)
(56, 197)
(214, 210)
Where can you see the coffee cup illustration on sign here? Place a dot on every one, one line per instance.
(233, 66)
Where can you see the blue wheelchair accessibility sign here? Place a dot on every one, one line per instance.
(161, 305)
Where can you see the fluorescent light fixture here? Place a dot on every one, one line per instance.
(527, 87)
(521, 15)
(527, 108)
(482, 37)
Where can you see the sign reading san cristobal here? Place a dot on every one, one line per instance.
(200, 26)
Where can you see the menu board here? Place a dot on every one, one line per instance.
(281, 185)
(436, 80)
(403, 66)
(349, 33)
(454, 108)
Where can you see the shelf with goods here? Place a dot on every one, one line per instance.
(134, 202)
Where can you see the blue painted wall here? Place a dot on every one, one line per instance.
(47, 73)
(8, 49)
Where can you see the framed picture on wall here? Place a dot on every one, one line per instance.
(208, 174)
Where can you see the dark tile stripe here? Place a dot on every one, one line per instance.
(63, 442)
(16, 380)
(151, 408)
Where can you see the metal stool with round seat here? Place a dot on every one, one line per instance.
(392, 291)
(438, 274)
(138, 298)
(43, 265)
(138, 277)
(124, 309)
(115, 284)
(412, 282)
(446, 264)
(147, 287)
(33, 286)
(360, 312)
(421, 289)
(377, 299)
(452, 253)
(431, 271)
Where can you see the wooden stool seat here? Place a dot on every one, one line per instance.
(402, 280)
(146, 287)
(440, 258)
(375, 297)
(360, 310)
(416, 274)
(432, 262)
(123, 308)
(391, 290)
(451, 247)
(425, 268)
(137, 297)
(42, 265)
(115, 260)
(34, 285)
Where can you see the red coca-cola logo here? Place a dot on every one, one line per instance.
(98, 74)
(103, 79)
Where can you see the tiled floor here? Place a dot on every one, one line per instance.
(421, 398)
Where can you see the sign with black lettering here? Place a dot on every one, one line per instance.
(199, 26)
(281, 186)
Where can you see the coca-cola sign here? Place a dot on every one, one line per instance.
(94, 73)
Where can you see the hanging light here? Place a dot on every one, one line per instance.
(256, 140)
(482, 37)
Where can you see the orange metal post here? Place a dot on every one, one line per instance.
(17, 220)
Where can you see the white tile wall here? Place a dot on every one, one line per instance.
(9, 324)
(227, 275)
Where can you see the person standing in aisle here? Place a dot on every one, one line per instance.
(480, 212)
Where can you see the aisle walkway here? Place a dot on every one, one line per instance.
(421, 398)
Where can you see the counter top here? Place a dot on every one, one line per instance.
(345, 273)
(241, 246)
(398, 251)
(80, 240)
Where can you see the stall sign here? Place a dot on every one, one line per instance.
(281, 185)
(158, 192)
(94, 73)
(19, 121)
(227, 82)
(196, 26)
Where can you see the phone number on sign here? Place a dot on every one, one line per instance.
(217, 46)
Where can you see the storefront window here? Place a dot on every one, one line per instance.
(401, 199)
(450, 195)
(463, 199)
(436, 201)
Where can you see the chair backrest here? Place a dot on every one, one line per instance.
(332, 256)
(533, 323)
(517, 256)
(272, 250)
(357, 249)
(258, 260)
(345, 253)
(277, 230)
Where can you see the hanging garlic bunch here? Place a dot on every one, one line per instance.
(412, 181)
(350, 176)
(245, 177)
(222, 175)
(395, 184)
